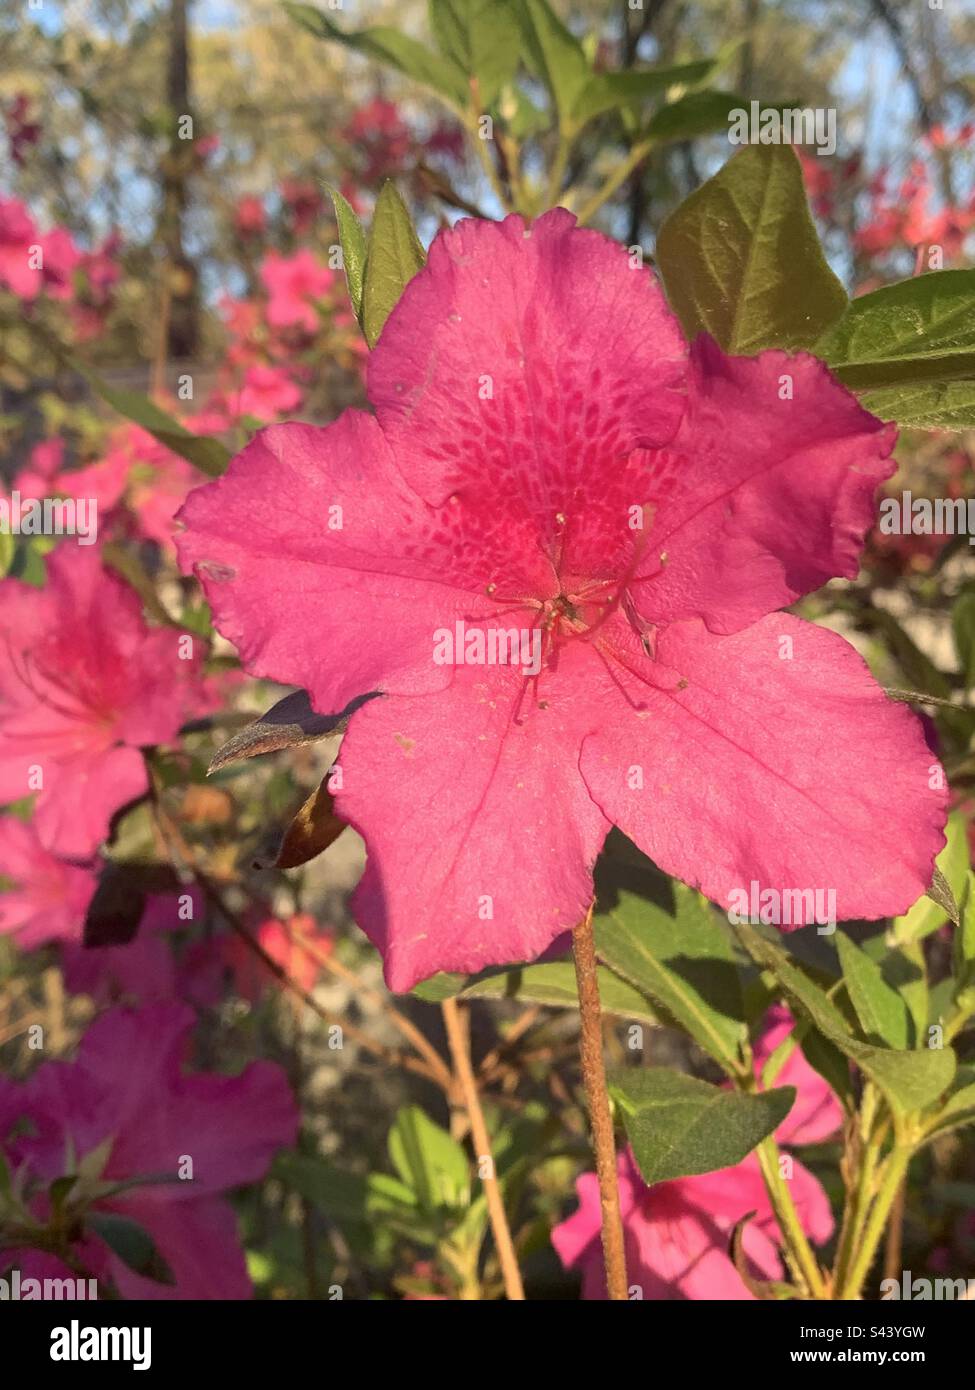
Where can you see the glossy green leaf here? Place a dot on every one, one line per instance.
(395, 256)
(741, 260)
(678, 1126)
(667, 941)
(353, 242)
(882, 1012)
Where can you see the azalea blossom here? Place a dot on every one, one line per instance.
(126, 1109)
(676, 1233)
(294, 284)
(84, 686)
(140, 971)
(548, 456)
(42, 898)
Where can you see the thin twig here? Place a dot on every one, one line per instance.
(459, 1051)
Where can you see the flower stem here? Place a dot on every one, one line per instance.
(597, 1098)
(460, 1053)
(800, 1252)
(895, 1172)
(619, 176)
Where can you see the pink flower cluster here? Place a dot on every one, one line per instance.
(152, 1144)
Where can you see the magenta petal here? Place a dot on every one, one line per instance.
(759, 499)
(521, 368)
(793, 773)
(481, 869)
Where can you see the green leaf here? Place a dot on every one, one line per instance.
(353, 242)
(609, 91)
(927, 914)
(551, 982)
(392, 47)
(909, 1080)
(679, 1127)
(429, 1161)
(882, 1012)
(741, 260)
(207, 454)
(959, 1109)
(916, 332)
(132, 1243)
(8, 547)
(666, 940)
(698, 113)
(395, 256)
(558, 57)
(963, 628)
(334, 1191)
(946, 405)
(483, 38)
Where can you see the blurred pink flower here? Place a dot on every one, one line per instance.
(266, 394)
(294, 284)
(44, 898)
(677, 1233)
(250, 219)
(143, 970)
(210, 963)
(127, 1097)
(84, 685)
(816, 1114)
(18, 242)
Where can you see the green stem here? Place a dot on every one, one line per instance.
(619, 176)
(895, 1171)
(798, 1249)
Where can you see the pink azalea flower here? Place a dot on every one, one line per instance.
(102, 482)
(816, 1114)
(293, 284)
(548, 456)
(44, 898)
(676, 1233)
(18, 236)
(84, 685)
(127, 1090)
(266, 393)
(211, 961)
(143, 970)
(60, 257)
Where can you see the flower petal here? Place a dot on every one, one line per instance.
(480, 832)
(771, 756)
(759, 499)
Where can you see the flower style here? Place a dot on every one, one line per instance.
(548, 457)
